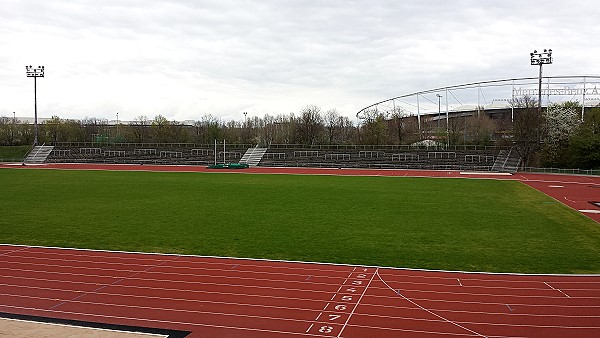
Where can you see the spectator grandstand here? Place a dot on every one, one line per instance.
(474, 158)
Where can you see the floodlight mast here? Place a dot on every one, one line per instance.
(439, 108)
(543, 58)
(35, 73)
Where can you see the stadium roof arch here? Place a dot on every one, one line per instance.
(491, 95)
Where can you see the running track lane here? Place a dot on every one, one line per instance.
(222, 297)
(574, 191)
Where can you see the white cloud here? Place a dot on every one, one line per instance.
(184, 58)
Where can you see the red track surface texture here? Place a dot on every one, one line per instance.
(219, 297)
(223, 297)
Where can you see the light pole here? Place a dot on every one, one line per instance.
(439, 109)
(35, 73)
(117, 124)
(543, 58)
(245, 125)
(12, 129)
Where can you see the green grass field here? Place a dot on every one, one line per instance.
(13, 153)
(454, 224)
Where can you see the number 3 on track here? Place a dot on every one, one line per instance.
(326, 329)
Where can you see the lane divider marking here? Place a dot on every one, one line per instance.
(553, 288)
(427, 310)
(358, 302)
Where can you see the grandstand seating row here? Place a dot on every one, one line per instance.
(459, 159)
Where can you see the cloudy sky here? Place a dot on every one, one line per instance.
(187, 58)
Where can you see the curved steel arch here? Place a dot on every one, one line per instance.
(522, 81)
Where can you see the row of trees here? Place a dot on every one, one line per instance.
(561, 136)
(311, 126)
(556, 137)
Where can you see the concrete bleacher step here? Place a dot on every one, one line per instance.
(507, 161)
(38, 154)
(253, 156)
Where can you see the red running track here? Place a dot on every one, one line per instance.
(224, 297)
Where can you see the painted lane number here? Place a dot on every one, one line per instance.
(325, 329)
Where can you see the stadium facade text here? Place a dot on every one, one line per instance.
(557, 91)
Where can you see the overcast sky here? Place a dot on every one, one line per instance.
(187, 58)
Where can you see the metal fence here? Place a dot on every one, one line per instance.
(594, 172)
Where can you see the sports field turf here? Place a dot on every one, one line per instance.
(432, 223)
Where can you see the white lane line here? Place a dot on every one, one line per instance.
(484, 173)
(103, 286)
(10, 252)
(459, 283)
(293, 290)
(222, 277)
(520, 314)
(553, 288)
(193, 272)
(429, 311)
(300, 320)
(308, 265)
(180, 282)
(358, 302)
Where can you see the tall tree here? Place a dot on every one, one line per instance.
(374, 127)
(310, 124)
(208, 129)
(140, 127)
(528, 128)
(562, 120)
(480, 129)
(584, 144)
(160, 130)
(332, 125)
